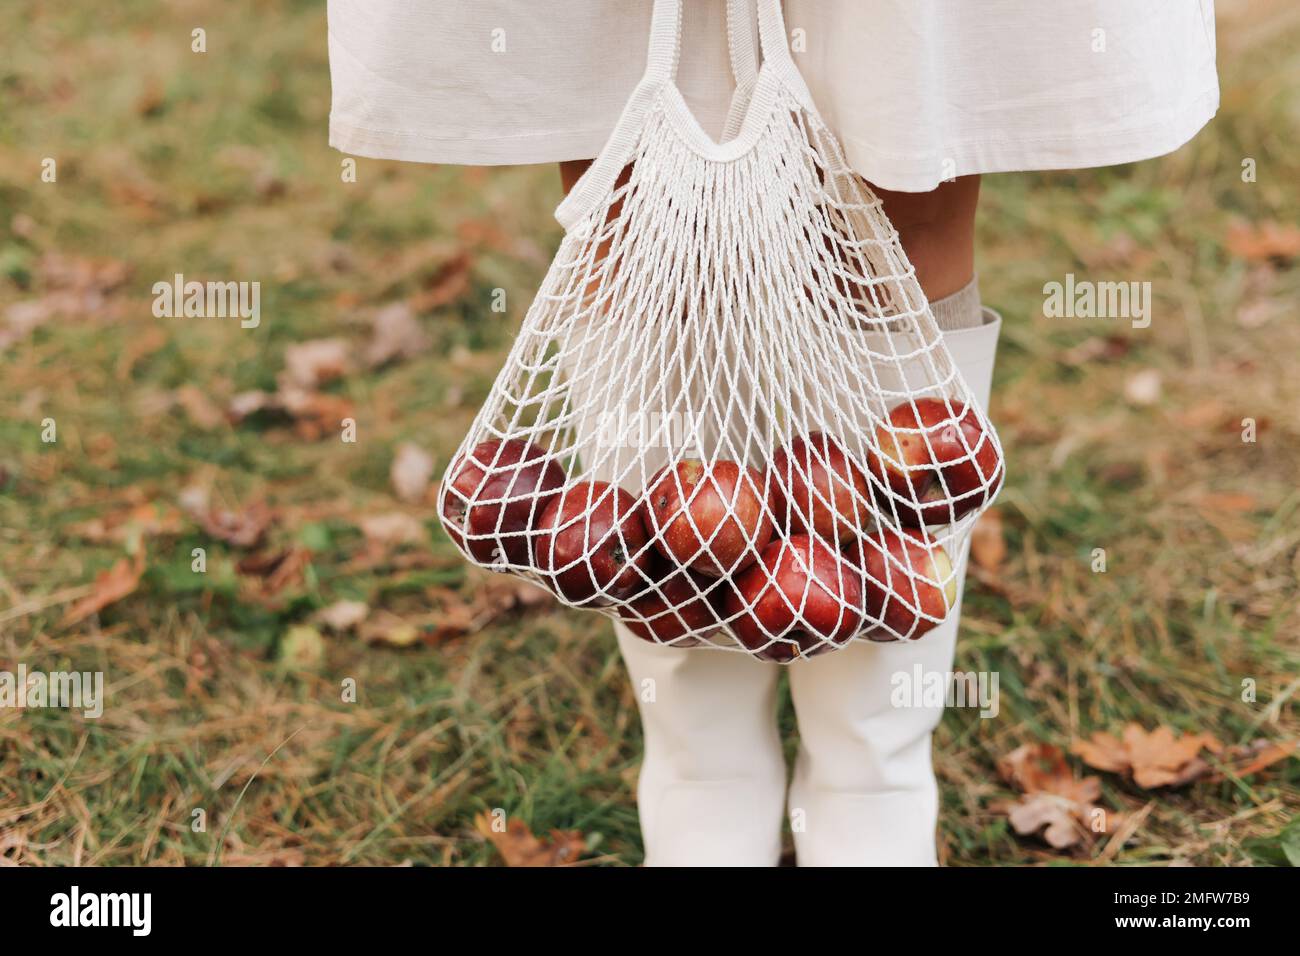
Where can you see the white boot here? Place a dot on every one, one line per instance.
(712, 782)
(864, 791)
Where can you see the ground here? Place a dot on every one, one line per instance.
(215, 165)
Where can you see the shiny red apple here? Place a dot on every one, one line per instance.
(710, 517)
(910, 584)
(493, 496)
(819, 489)
(591, 544)
(801, 598)
(676, 607)
(941, 461)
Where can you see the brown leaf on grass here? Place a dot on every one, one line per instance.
(1266, 241)
(1042, 768)
(519, 847)
(301, 648)
(309, 365)
(109, 587)
(1054, 801)
(1098, 348)
(312, 414)
(244, 528)
(385, 627)
(1203, 415)
(1034, 812)
(275, 571)
(396, 335)
(451, 615)
(149, 520)
(1154, 759)
(988, 548)
(70, 287)
(1242, 761)
(447, 283)
(392, 528)
(199, 408)
(1144, 387)
(1234, 501)
(410, 472)
(343, 615)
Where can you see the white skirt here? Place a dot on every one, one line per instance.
(918, 91)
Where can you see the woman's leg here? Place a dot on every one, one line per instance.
(712, 785)
(864, 791)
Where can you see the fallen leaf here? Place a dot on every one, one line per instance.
(1235, 501)
(387, 628)
(1206, 414)
(70, 287)
(410, 472)
(315, 414)
(244, 528)
(1154, 759)
(276, 570)
(448, 282)
(343, 615)
(1242, 761)
(519, 847)
(1043, 810)
(988, 547)
(150, 519)
(109, 587)
(312, 414)
(199, 408)
(1107, 348)
(311, 364)
(396, 334)
(1055, 802)
(1264, 241)
(1144, 387)
(392, 528)
(302, 648)
(1042, 768)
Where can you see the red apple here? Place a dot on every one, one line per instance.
(494, 494)
(818, 488)
(675, 608)
(799, 599)
(591, 544)
(910, 584)
(712, 518)
(923, 440)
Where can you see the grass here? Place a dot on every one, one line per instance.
(216, 165)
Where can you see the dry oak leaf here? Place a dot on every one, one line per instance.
(199, 408)
(343, 615)
(1054, 801)
(1154, 759)
(519, 847)
(410, 472)
(397, 334)
(1042, 768)
(314, 363)
(109, 587)
(988, 547)
(149, 519)
(241, 529)
(1266, 241)
(392, 528)
(1242, 761)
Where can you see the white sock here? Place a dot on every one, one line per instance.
(961, 310)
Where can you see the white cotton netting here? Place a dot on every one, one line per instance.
(729, 419)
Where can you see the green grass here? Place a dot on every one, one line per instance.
(164, 157)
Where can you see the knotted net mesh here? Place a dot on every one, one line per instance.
(729, 419)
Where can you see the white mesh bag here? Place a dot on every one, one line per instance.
(729, 419)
